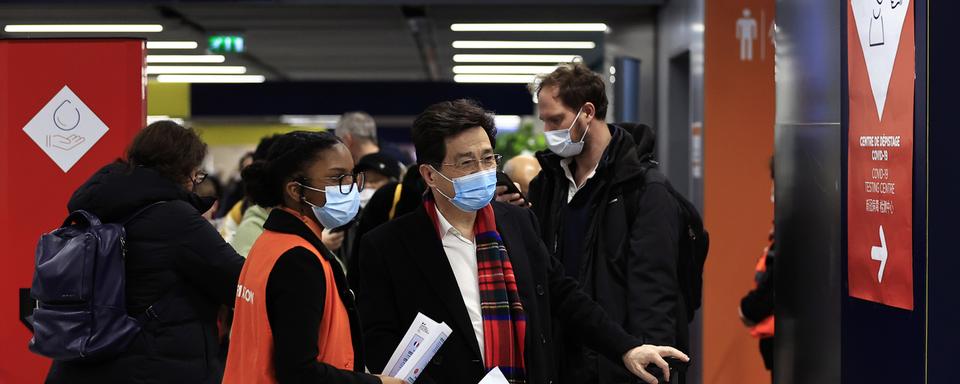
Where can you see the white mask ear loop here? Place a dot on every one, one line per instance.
(445, 178)
(584, 137)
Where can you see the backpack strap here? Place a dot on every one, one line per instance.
(396, 200)
(154, 310)
(631, 195)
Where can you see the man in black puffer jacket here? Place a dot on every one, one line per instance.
(176, 262)
(609, 216)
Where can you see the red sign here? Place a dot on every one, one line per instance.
(880, 54)
(67, 108)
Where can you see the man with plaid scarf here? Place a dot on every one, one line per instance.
(481, 268)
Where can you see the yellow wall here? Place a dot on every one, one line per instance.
(168, 99)
(240, 134)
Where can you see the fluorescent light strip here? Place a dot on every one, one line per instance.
(185, 58)
(82, 28)
(507, 122)
(503, 69)
(155, 118)
(196, 69)
(468, 58)
(528, 27)
(310, 120)
(211, 78)
(520, 79)
(502, 44)
(172, 45)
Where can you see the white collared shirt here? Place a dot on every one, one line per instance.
(573, 187)
(462, 255)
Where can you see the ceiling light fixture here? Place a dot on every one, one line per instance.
(504, 44)
(503, 69)
(196, 70)
(82, 28)
(211, 78)
(517, 79)
(472, 58)
(185, 58)
(172, 45)
(528, 27)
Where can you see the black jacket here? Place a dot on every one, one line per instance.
(404, 271)
(178, 263)
(629, 264)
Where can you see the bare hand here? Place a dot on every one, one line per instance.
(332, 240)
(636, 360)
(390, 380)
(510, 198)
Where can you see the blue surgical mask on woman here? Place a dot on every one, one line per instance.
(472, 192)
(339, 209)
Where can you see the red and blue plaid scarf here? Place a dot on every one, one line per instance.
(504, 322)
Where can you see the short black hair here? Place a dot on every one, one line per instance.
(169, 149)
(286, 160)
(447, 119)
(577, 85)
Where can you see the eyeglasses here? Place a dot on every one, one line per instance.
(345, 182)
(486, 162)
(199, 177)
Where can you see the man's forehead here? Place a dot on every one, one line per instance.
(549, 102)
(468, 143)
(549, 93)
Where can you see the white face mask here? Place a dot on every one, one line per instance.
(365, 196)
(559, 141)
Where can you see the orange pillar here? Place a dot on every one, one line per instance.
(67, 108)
(739, 113)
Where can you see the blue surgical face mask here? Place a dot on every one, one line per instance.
(339, 208)
(472, 192)
(559, 141)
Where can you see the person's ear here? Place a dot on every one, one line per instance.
(293, 190)
(428, 174)
(589, 113)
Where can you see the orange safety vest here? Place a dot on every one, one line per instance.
(250, 359)
(764, 328)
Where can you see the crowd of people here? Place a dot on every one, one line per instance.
(310, 267)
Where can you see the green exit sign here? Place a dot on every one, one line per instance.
(226, 44)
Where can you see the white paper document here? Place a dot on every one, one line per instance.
(418, 346)
(494, 377)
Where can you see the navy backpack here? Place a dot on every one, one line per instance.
(79, 285)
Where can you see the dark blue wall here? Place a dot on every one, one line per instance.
(883, 344)
(944, 259)
(334, 98)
